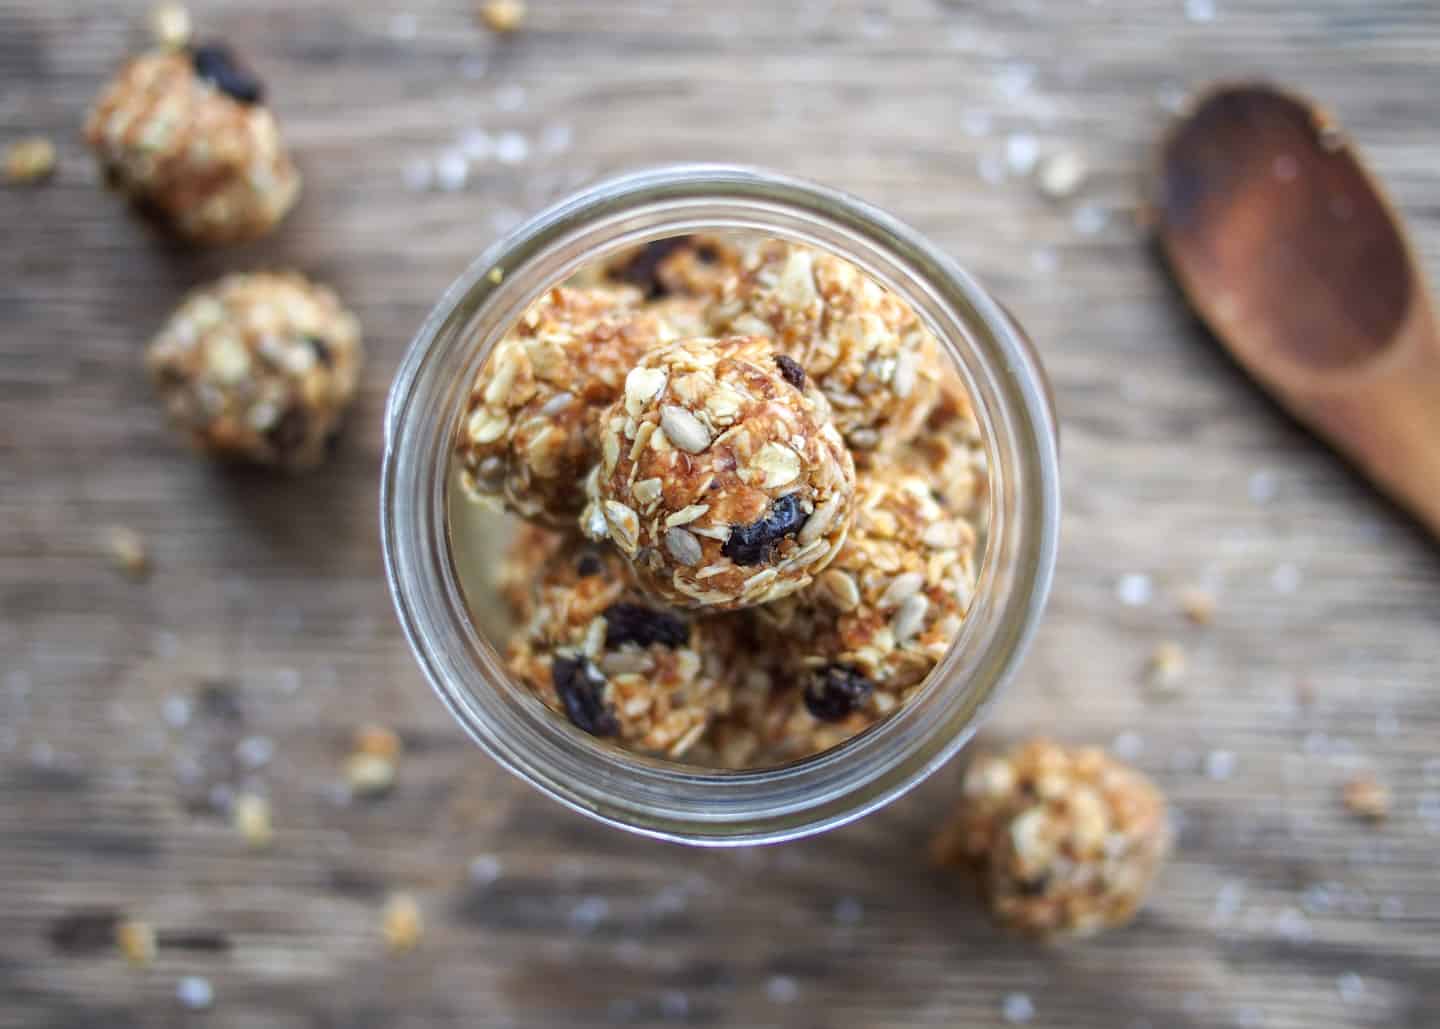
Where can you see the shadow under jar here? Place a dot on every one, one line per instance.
(433, 544)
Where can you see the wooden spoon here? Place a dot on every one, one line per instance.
(1290, 251)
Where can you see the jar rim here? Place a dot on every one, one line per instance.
(663, 799)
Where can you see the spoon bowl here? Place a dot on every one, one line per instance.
(1289, 250)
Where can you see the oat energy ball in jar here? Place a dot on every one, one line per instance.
(532, 428)
(721, 476)
(258, 368)
(186, 136)
(864, 348)
(612, 659)
(1062, 841)
(870, 630)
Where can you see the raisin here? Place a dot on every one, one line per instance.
(322, 351)
(753, 544)
(791, 371)
(589, 564)
(636, 623)
(1033, 887)
(836, 691)
(643, 269)
(582, 693)
(217, 65)
(288, 434)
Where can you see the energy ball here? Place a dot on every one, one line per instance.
(258, 367)
(863, 347)
(860, 641)
(695, 266)
(1062, 841)
(609, 657)
(722, 478)
(187, 137)
(531, 431)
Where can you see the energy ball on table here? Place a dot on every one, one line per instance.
(612, 659)
(259, 368)
(863, 347)
(721, 478)
(186, 136)
(1062, 841)
(531, 432)
(859, 642)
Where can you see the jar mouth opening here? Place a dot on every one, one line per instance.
(668, 798)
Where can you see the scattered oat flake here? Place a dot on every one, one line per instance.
(1367, 797)
(401, 923)
(502, 16)
(1198, 605)
(1021, 153)
(136, 940)
(28, 161)
(195, 993)
(250, 814)
(170, 26)
(1166, 667)
(1061, 174)
(369, 774)
(1350, 987)
(377, 740)
(127, 551)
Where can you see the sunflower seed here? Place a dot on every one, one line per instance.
(683, 546)
(901, 588)
(684, 429)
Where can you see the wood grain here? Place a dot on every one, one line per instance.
(267, 611)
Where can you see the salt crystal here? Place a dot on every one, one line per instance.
(1134, 589)
(255, 751)
(1021, 153)
(1017, 1008)
(1350, 987)
(452, 171)
(1285, 578)
(1200, 11)
(511, 148)
(1128, 746)
(1219, 765)
(848, 911)
(1015, 80)
(1044, 260)
(176, 712)
(1089, 219)
(1249, 1017)
(1293, 925)
(589, 913)
(484, 869)
(1229, 900)
(674, 1004)
(781, 989)
(195, 993)
(473, 66)
(1261, 487)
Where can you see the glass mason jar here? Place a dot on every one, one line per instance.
(652, 796)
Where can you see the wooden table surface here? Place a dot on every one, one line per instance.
(266, 623)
